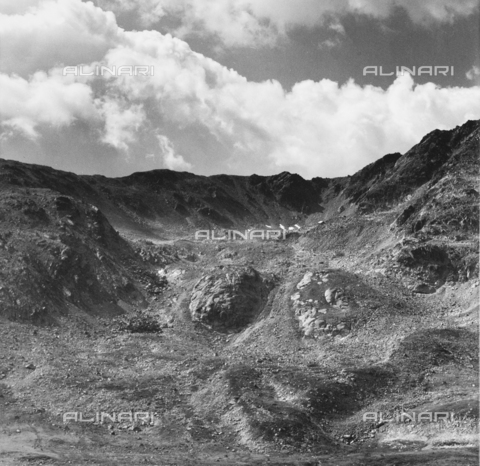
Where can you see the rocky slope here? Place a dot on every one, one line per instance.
(59, 253)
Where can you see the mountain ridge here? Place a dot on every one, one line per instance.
(187, 200)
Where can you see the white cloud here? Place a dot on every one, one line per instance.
(49, 99)
(338, 130)
(171, 160)
(337, 27)
(337, 32)
(55, 33)
(122, 121)
(329, 44)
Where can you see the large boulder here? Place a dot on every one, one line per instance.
(230, 298)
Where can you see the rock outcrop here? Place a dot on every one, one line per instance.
(230, 298)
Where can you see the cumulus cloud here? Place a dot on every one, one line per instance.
(45, 99)
(122, 121)
(349, 126)
(171, 160)
(54, 33)
(316, 129)
(262, 22)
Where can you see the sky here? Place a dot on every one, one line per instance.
(232, 86)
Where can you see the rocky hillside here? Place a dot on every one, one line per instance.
(61, 256)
